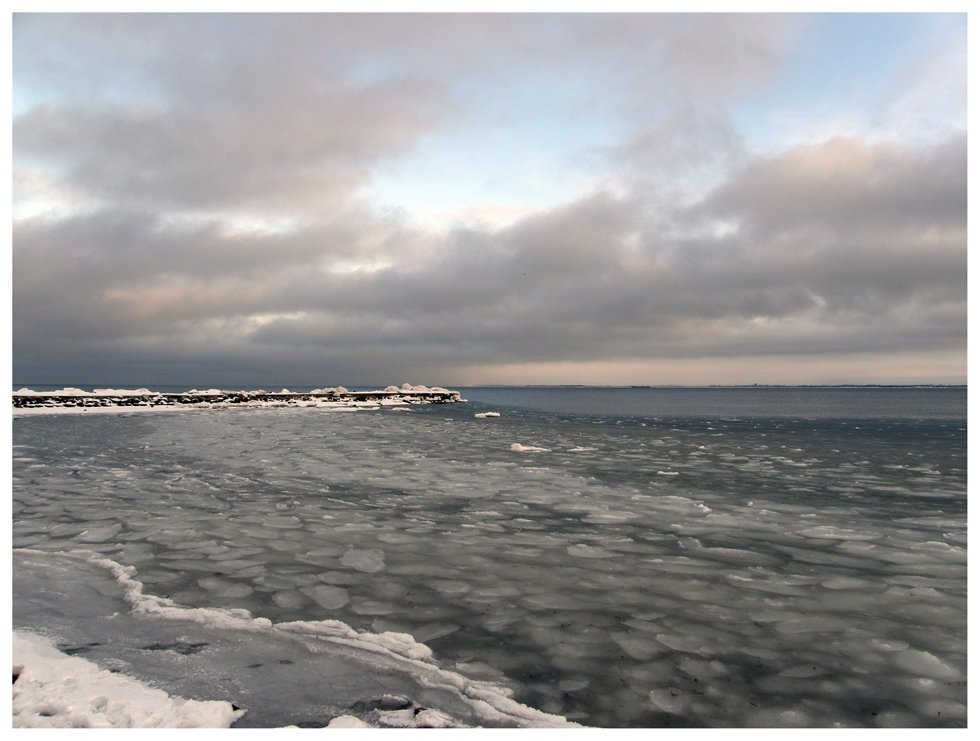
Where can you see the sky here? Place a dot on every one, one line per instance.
(471, 199)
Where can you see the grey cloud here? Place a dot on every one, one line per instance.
(130, 244)
(286, 77)
(196, 112)
(582, 237)
(687, 140)
(840, 247)
(299, 151)
(718, 50)
(864, 228)
(600, 278)
(53, 46)
(846, 182)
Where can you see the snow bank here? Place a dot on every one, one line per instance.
(69, 391)
(121, 392)
(330, 390)
(52, 690)
(347, 721)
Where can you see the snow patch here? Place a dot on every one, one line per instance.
(53, 690)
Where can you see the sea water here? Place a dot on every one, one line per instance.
(613, 557)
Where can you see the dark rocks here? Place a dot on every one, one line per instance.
(185, 649)
(29, 401)
(387, 702)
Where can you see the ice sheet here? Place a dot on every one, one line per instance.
(739, 572)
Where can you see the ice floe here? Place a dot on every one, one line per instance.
(518, 448)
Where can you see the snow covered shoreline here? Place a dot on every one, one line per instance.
(57, 689)
(27, 401)
(54, 690)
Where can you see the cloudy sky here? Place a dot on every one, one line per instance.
(470, 199)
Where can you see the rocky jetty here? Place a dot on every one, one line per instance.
(72, 397)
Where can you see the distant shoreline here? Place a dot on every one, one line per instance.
(730, 386)
(249, 389)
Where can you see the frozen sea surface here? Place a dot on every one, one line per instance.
(610, 568)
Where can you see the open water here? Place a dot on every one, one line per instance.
(749, 557)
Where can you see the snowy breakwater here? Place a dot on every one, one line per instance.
(336, 397)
